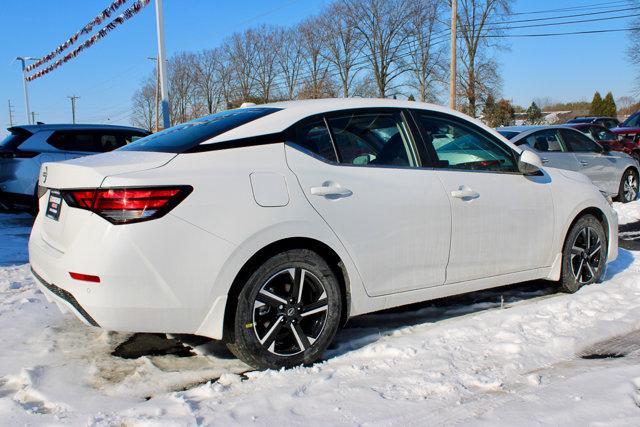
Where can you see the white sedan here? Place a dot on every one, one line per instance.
(269, 226)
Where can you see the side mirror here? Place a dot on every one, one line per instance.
(529, 162)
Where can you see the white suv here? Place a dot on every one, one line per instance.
(268, 227)
(24, 150)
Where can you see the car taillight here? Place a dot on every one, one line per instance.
(127, 205)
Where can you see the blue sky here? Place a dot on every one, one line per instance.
(563, 68)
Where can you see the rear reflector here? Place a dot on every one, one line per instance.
(127, 205)
(84, 277)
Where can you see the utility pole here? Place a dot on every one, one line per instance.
(10, 113)
(33, 117)
(452, 71)
(73, 107)
(162, 65)
(157, 91)
(23, 60)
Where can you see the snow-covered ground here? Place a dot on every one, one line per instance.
(627, 212)
(460, 360)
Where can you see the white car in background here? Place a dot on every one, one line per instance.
(268, 227)
(27, 147)
(615, 173)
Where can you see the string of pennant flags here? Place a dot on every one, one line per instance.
(105, 14)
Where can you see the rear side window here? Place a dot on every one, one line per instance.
(508, 133)
(14, 139)
(86, 141)
(314, 137)
(546, 141)
(180, 138)
(376, 139)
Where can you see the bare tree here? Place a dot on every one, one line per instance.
(480, 76)
(182, 87)
(315, 76)
(428, 56)
(342, 46)
(144, 105)
(266, 47)
(380, 26)
(290, 58)
(207, 80)
(242, 59)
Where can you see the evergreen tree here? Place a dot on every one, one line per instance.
(609, 106)
(489, 110)
(596, 104)
(411, 98)
(534, 114)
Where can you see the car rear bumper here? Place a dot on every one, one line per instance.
(156, 276)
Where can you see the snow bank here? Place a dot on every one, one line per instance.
(627, 212)
(461, 360)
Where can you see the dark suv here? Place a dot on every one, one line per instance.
(608, 122)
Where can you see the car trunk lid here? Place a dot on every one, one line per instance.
(60, 222)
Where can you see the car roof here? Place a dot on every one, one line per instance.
(62, 126)
(524, 131)
(291, 112)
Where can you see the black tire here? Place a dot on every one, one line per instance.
(628, 191)
(584, 254)
(273, 329)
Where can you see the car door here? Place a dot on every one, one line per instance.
(553, 152)
(599, 166)
(362, 173)
(502, 220)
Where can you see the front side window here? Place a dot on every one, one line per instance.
(459, 146)
(602, 134)
(545, 141)
(373, 139)
(578, 142)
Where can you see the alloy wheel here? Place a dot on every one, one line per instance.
(630, 187)
(290, 311)
(586, 253)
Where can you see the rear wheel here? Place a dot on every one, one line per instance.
(288, 312)
(584, 255)
(628, 191)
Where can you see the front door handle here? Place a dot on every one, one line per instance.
(329, 190)
(544, 160)
(465, 193)
(583, 163)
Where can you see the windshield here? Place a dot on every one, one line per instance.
(632, 121)
(182, 137)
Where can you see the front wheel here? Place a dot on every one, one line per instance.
(584, 254)
(288, 312)
(628, 190)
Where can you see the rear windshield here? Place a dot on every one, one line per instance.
(14, 139)
(180, 138)
(508, 133)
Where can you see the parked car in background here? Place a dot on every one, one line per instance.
(630, 128)
(613, 172)
(608, 139)
(269, 226)
(27, 147)
(608, 122)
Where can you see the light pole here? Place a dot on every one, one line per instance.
(23, 60)
(73, 107)
(162, 65)
(452, 65)
(157, 91)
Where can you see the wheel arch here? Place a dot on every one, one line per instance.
(325, 251)
(591, 210)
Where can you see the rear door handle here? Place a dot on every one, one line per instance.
(583, 163)
(331, 190)
(464, 192)
(544, 160)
